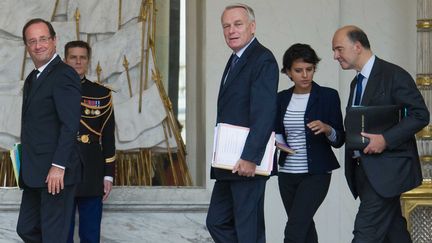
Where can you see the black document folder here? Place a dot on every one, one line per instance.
(369, 119)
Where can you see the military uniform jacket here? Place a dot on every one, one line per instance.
(96, 138)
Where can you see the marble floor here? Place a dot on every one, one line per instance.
(135, 227)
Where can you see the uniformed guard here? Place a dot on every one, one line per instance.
(97, 146)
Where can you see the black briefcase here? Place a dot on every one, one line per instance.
(369, 119)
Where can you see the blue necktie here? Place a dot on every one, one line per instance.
(359, 89)
(234, 60)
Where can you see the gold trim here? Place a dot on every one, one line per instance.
(126, 66)
(426, 159)
(106, 120)
(77, 23)
(119, 14)
(84, 138)
(425, 133)
(110, 160)
(420, 196)
(89, 128)
(424, 80)
(98, 72)
(424, 24)
(96, 115)
(23, 64)
(54, 10)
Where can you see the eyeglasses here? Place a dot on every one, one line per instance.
(43, 40)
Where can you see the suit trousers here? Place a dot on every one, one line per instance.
(236, 212)
(379, 219)
(44, 217)
(302, 194)
(90, 217)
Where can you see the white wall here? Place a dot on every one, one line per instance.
(390, 25)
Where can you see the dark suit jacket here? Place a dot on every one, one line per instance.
(97, 123)
(49, 126)
(397, 168)
(248, 99)
(324, 105)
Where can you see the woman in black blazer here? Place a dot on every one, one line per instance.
(309, 121)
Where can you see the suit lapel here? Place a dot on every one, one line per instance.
(26, 91)
(237, 68)
(235, 71)
(314, 94)
(39, 81)
(285, 101)
(373, 83)
(225, 73)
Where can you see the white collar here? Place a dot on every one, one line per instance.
(46, 64)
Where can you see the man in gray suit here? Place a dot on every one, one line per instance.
(389, 165)
(50, 166)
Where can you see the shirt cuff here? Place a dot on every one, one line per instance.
(332, 136)
(58, 166)
(109, 178)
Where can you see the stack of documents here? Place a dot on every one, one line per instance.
(229, 141)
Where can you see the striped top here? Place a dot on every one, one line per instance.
(296, 135)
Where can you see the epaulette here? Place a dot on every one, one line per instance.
(102, 85)
(108, 87)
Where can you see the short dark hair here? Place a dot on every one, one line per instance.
(299, 52)
(357, 34)
(35, 21)
(77, 43)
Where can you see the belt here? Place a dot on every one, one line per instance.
(88, 138)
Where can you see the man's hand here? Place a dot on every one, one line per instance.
(107, 189)
(318, 127)
(376, 145)
(244, 168)
(55, 180)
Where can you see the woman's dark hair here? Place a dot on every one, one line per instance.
(299, 52)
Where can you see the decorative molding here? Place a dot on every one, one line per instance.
(419, 196)
(143, 199)
(424, 25)
(424, 80)
(426, 158)
(425, 133)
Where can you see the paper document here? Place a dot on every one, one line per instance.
(229, 141)
(281, 145)
(15, 155)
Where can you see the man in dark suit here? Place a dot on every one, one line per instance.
(50, 166)
(97, 146)
(247, 98)
(389, 165)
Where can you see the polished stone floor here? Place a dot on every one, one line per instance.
(133, 227)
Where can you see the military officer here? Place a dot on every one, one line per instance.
(97, 146)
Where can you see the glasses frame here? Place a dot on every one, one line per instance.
(42, 41)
